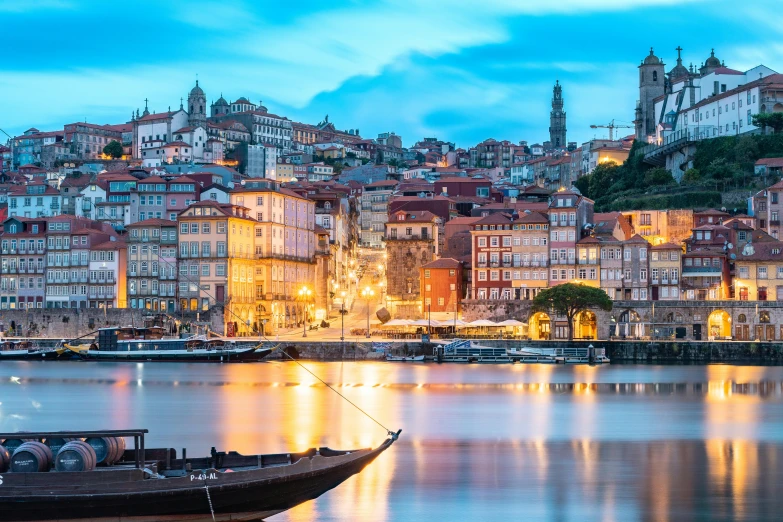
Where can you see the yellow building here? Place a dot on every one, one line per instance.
(588, 251)
(758, 272)
(530, 254)
(216, 266)
(285, 171)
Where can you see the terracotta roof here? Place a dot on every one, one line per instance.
(498, 218)
(176, 144)
(110, 245)
(711, 212)
(383, 183)
(464, 220)
(667, 246)
(153, 222)
(771, 162)
(444, 262)
(532, 217)
(412, 215)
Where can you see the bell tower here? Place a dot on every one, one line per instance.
(557, 119)
(197, 107)
(652, 84)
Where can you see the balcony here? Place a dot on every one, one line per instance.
(481, 265)
(506, 264)
(588, 261)
(699, 271)
(774, 222)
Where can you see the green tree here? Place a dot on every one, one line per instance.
(569, 299)
(691, 177)
(113, 149)
(603, 177)
(658, 176)
(773, 120)
(583, 185)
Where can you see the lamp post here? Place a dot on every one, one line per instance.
(342, 316)
(304, 294)
(367, 293)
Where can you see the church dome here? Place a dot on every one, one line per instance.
(678, 71)
(221, 101)
(651, 59)
(712, 61)
(196, 91)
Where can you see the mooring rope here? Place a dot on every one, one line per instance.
(209, 499)
(376, 421)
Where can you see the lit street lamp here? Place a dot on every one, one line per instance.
(304, 294)
(342, 317)
(367, 293)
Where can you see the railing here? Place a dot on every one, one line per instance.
(588, 262)
(481, 265)
(700, 269)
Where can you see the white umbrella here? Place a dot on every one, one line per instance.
(511, 322)
(398, 322)
(617, 329)
(627, 330)
(483, 322)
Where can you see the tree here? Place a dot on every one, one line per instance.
(569, 299)
(658, 176)
(691, 177)
(774, 120)
(602, 177)
(113, 149)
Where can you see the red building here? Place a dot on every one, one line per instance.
(441, 292)
(491, 247)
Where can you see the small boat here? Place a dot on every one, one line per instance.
(147, 485)
(528, 355)
(26, 350)
(404, 358)
(149, 344)
(466, 351)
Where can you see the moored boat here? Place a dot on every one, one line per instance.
(27, 350)
(405, 358)
(140, 484)
(149, 344)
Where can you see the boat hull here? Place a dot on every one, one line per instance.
(236, 495)
(247, 355)
(24, 355)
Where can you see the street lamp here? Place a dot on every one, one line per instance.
(304, 295)
(367, 293)
(342, 316)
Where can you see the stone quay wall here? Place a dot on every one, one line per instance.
(617, 351)
(70, 323)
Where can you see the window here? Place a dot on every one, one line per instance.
(762, 272)
(183, 228)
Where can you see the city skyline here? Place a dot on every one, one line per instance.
(454, 71)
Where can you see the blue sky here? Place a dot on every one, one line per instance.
(459, 70)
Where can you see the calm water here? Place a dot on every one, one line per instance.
(479, 442)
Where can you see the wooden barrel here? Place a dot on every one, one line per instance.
(56, 443)
(108, 450)
(12, 444)
(31, 457)
(75, 456)
(5, 459)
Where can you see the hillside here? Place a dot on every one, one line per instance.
(722, 176)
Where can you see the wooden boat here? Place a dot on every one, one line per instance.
(149, 344)
(27, 350)
(147, 485)
(404, 358)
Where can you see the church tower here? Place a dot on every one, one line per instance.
(557, 119)
(652, 84)
(197, 107)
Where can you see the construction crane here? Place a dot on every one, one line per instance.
(612, 126)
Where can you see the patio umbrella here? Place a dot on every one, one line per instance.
(511, 322)
(398, 322)
(627, 330)
(483, 322)
(617, 329)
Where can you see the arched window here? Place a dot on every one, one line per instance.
(655, 76)
(191, 109)
(741, 318)
(763, 317)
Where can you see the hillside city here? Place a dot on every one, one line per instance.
(286, 225)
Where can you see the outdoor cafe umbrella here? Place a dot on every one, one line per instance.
(617, 329)
(511, 322)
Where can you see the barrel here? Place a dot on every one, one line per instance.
(56, 443)
(5, 459)
(75, 456)
(31, 457)
(12, 444)
(108, 450)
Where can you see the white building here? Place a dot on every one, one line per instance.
(217, 193)
(35, 199)
(710, 102)
(92, 194)
(152, 130)
(521, 175)
(262, 161)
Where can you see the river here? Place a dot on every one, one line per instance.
(479, 442)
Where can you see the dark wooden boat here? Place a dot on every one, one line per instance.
(149, 344)
(157, 485)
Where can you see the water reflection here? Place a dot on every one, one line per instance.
(479, 442)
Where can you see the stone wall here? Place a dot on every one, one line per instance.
(617, 351)
(69, 323)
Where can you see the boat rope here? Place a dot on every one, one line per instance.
(376, 421)
(263, 335)
(209, 499)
